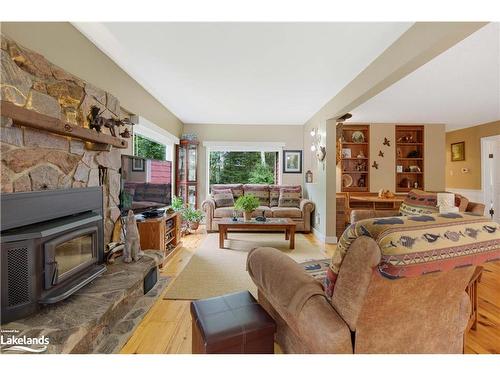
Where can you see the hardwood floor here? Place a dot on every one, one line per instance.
(167, 326)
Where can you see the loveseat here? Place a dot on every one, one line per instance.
(269, 196)
(394, 285)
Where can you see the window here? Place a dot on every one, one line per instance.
(242, 167)
(146, 148)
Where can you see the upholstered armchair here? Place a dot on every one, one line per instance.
(370, 311)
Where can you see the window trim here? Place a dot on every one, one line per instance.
(229, 146)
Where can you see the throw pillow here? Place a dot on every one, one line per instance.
(274, 192)
(259, 191)
(289, 198)
(223, 198)
(419, 202)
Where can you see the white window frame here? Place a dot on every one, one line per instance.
(241, 147)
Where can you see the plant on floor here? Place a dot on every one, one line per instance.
(192, 217)
(247, 204)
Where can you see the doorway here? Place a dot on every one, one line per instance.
(490, 175)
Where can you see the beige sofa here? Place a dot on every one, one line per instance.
(300, 215)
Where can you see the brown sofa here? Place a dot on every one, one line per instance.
(368, 312)
(300, 215)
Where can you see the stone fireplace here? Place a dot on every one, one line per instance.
(34, 160)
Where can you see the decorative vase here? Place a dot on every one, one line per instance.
(193, 225)
(247, 215)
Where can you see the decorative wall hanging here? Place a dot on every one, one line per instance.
(458, 151)
(381, 154)
(97, 122)
(292, 161)
(387, 142)
(375, 165)
(309, 177)
(316, 147)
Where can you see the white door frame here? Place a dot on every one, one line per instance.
(488, 176)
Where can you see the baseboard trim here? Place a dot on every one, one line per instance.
(322, 238)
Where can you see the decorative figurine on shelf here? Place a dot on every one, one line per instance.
(415, 184)
(125, 133)
(399, 153)
(360, 166)
(361, 155)
(385, 194)
(361, 182)
(132, 250)
(96, 121)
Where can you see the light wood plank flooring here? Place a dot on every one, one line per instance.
(167, 326)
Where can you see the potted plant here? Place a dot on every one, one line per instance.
(247, 204)
(192, 217)
(177, 203)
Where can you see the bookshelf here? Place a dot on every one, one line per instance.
(355, 158)
(409, 158)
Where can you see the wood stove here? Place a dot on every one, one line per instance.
(51, 246)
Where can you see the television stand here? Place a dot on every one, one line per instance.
(161, 233)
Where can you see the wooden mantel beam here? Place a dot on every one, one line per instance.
(25, 117)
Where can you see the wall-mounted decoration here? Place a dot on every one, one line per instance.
(97, 122)
(292, 161)
(381, 154)
(358, 137)
(387, 142)
(458, 151)
(138, 165)
(309, 177)
(320, 151)
(346, 153)
(375, 165)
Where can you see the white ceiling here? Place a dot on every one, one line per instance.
(460, 87)
(243, 73)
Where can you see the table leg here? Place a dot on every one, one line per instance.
(222, 235)
(292, 237)
(287, 234)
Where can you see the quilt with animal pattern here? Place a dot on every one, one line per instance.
(416, 245)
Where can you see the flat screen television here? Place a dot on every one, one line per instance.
(146, 184)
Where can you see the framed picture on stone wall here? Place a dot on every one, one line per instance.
(137, 165)
(292, 161)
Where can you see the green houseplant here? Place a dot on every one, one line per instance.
(247, 204)
(192, 217)
(177, 203)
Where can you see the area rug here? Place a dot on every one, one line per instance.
(213, 272)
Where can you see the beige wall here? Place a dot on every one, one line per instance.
(66, 47)
(455, 179)
(291, 135)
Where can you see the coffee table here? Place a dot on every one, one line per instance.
(285, 224)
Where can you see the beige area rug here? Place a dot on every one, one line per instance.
(213, 272)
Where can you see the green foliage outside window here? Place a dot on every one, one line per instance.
(146, 148)
(233, 167)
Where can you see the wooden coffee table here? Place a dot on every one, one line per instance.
(285, 224)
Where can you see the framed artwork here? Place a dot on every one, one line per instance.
(458, 151)
(399, 168)
(292, 161)
(346, 153)
(137, 165)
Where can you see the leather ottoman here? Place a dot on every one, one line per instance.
(232, 324)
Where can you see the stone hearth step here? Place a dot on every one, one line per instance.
(83, 321)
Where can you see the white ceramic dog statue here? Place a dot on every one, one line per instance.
(132, 250)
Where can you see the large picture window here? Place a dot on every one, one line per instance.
(243, 167)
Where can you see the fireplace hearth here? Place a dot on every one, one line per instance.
(51, 246)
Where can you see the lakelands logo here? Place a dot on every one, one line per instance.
(10, 340)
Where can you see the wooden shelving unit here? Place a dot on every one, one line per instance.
(161, 233)
(410, 158)
(358, 168)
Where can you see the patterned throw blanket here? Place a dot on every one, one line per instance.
(416, 245)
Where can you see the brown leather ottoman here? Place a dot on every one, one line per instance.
(232, 324)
